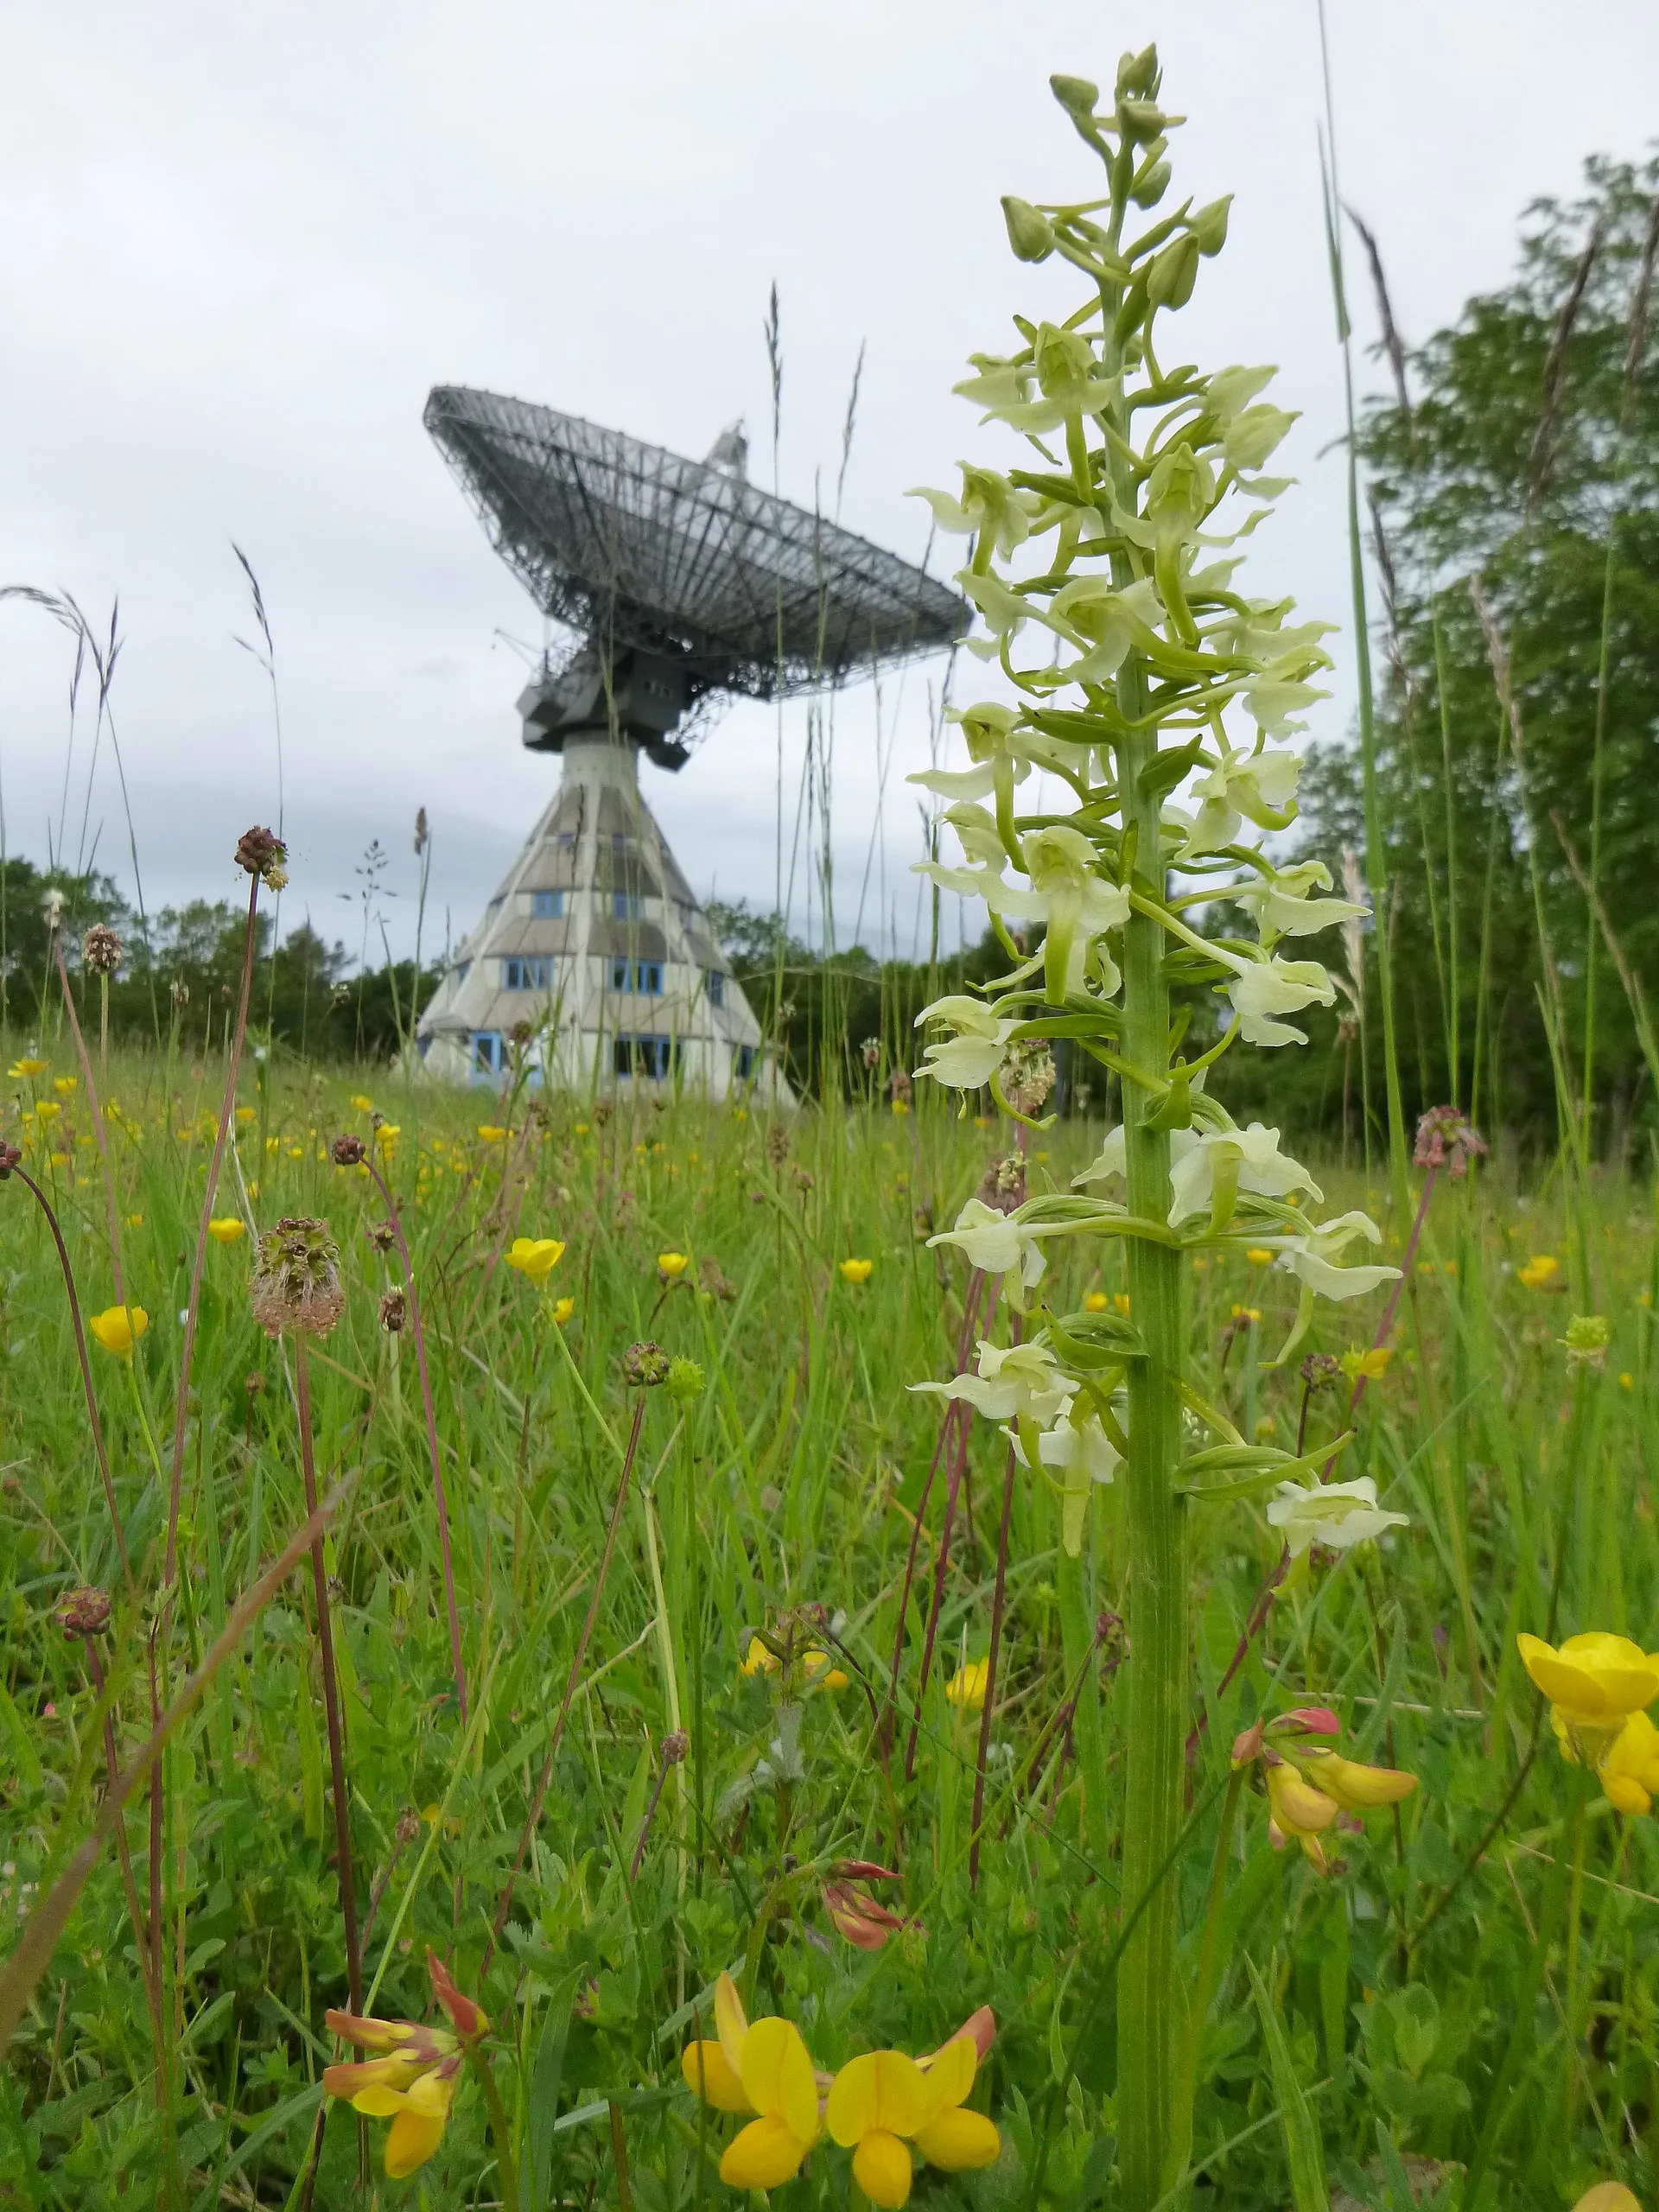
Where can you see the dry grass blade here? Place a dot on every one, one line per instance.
(1393, 346)
(1542, 456)
(23, 1969)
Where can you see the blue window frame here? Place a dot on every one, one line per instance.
(546, 906)
(743, 1059)
(715, 984)
(488, 1053)
(642, 975)
(625, 906)
(525, 973)
(645, 1056)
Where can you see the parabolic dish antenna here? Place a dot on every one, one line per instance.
(641, 550)
(682, 581)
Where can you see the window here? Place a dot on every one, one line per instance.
(524, 974)
(625, 906)
(645, 1056)
(488, 1055)
(494, 908)
(716, 987)
(546, 906)
(743, 1059)
(463, 969)
(645, 975)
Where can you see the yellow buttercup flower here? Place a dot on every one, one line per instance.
(414, 2084)
(66, 1085)
(673, 1264)
(562, 1309)
(1259, 1256)
(490, 1134)
(25, 1071)
(363, 1105)
(1539, 1271)
(966, 1688)
(46, 1109)
(135, 1220)
(882, 2104)
(763, 2069)
(119, 1328)
(534, 1256)
(228, 1229)
(387, 1134)
(1095, 1301)
(856, 1270)
(1372, 1364)
(245, 1116)
(1247, 1313)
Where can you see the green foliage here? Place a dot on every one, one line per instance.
(1528, 456)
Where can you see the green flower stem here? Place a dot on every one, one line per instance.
(1151, 2041)
(506, 2166)
(1077, 1638)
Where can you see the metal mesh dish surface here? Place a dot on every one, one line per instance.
(626, 542)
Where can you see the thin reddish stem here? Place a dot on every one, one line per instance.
(330, 1687)
(419, 1333)
(44, 1205)
(181, 1414)
(991, 1659)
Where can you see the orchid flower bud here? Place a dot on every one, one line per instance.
(1029, 234)
(1077, 96)
(1171, 275)
(1138, 74)
(1209, 225)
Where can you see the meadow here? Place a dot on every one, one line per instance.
(776, 1491)
(634, 1649)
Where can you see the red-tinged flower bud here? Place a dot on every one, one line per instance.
(9, 1158)
(468, 2020)
(1307, 1720)
(1248, 1747)
(349, 1151)
(864, 1870)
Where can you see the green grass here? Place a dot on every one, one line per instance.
(1426, 2003)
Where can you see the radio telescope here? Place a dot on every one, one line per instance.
(681, 583)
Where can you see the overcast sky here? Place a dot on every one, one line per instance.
(239, 244)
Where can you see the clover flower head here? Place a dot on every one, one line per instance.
(1448, 1138)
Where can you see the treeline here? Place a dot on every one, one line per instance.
(181, 971)
(1518, 450)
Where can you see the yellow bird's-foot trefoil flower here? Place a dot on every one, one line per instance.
(1310, 1787)
(414, 2082)
(764, 2069)
(884, 2107)
(1600, 1686)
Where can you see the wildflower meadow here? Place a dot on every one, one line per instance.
(621, 1649)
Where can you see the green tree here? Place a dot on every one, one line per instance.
(1521, 448)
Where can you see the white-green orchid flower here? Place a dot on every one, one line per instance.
(1210, 1170)
(1004, 613)
(997, 1245)
(1108, 624)
(1312, 1258)
(973, 1056)
(1111, 1158)
(1340, 1514)
(1064, 368)
(1066, 892)
(1011, 1380)
(1281, 907)
(1261, 785)
(1262, 989)
(990, 509)
(1078, 1452)
(987, 728)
